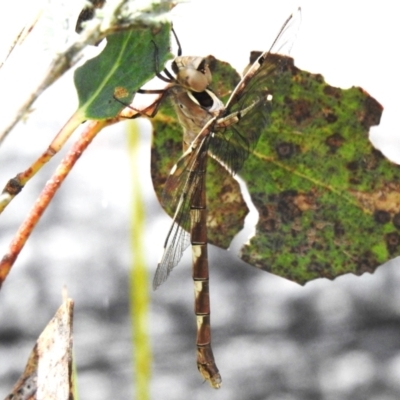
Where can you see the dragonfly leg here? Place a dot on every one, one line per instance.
(150, 111)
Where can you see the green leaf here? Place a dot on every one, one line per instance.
(329, 203)
(126, 63)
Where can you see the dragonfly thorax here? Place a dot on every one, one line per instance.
(192, 72)
(194, 110)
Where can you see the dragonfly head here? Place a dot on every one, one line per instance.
(193, 73)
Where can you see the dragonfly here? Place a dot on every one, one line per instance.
(228, 133)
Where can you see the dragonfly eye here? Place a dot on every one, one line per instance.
(192, 73)
(205, 70)
(174, 67)
(203, 67)
(193, 79)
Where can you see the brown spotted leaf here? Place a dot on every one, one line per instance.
(329, 202)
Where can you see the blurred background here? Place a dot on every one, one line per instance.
(272, 339)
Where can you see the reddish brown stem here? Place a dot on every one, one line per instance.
(24, 231)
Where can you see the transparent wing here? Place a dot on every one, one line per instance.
(232, 144)
(230, 138)
(183, 186)
(287, 35)
(248, 109)
(253, 82)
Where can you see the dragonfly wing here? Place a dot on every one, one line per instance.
(287, 35)
(182, 187)
(253, 81)
(230, 137)
(176, 243)
(232, 144)
(248, 109)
